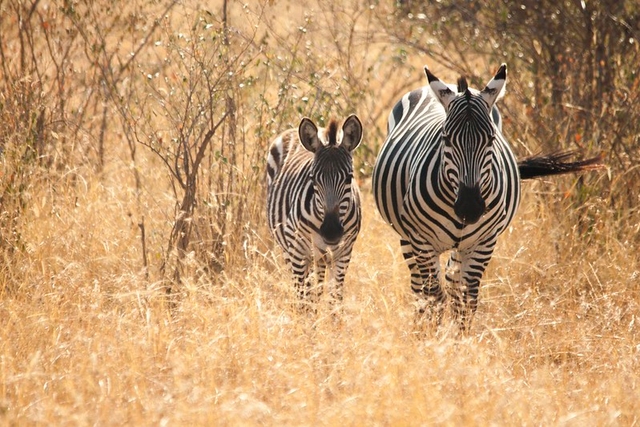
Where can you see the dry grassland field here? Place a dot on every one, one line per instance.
(133, 295)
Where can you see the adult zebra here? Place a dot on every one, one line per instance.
(447, 179)
(313, 202)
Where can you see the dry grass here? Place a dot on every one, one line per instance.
(86, 338)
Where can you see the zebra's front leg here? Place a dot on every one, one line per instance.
(320, 269)
(464, 272)
(303, 286)
(424, 265)
(338, 271)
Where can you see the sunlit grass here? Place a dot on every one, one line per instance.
(87, 336)
(87, 339)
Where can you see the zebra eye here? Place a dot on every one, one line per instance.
(446, 139)
(348, 178)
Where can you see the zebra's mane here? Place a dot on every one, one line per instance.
(331, 133)
(462, 84)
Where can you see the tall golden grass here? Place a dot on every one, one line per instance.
(87, 336)
(85, 339)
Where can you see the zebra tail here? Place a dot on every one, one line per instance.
(557, 164)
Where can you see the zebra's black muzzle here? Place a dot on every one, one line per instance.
(332, 229)
(469, 205)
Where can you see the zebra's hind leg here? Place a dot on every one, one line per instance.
(425, 282)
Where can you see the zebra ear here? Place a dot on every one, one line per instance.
(308, 133)
(496, 87)
(351, 133)
(441, 90)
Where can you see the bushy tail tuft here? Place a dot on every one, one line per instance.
(556, 164)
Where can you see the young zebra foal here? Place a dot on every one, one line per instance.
(313, 202)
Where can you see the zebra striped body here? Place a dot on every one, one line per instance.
(313, 202)
(446, 179)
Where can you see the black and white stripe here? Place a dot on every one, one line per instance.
(446, 179)
(313, 202)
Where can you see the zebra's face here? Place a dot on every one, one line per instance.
(467, 139)
(331, 175)
(468, 136)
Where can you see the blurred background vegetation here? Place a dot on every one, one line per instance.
(198, 89)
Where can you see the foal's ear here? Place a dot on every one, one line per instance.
(496, 87)
(441, 90)
(351, 133)
(308, 133)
